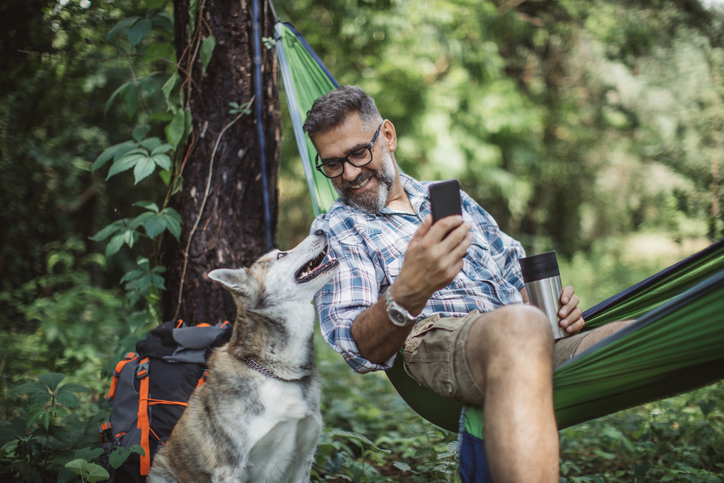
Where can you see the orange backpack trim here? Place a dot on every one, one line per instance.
(143, 422)
(114, 382)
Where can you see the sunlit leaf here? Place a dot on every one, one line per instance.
(148, 205)
(143, 169)
(115, 244)
(163, 148)
(162, 160)
(151, 143)
(175, 130)
(125, 163)
(155, 226)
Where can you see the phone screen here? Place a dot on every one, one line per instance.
(444, 199)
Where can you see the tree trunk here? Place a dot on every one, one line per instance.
(231, 230)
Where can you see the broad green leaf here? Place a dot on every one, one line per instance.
(67, 399)
(120, 26)
(165, 176)
(51, 379)
(150, 84)
(29, 388)
(140, 131)
(163, 148)
(155, 226)
(140, 283)
(162, 160)
(159, 269)
(160, 117)
(118, 456)
(130, 99)
(115, 244)
(59, 433)
(137, 448)
(175, 130)
(148, 205)
(138, 31)
(158, 281)
(207, 48)
(41, 398)
(173, 226)
(171, 212)
(132, 275)
(140, 220)
(33, 415)
(125, 163)
(110, 152)
(88, 454)
(168, 89)
(143, 263)
(106, 232)
(130, 238)
(144, 168)
(164, 21)
(76, 466)
(74, 388)
(193, 13)
(151, 143)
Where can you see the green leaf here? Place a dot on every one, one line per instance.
(130, 100)
(125, 23)
(401, 466)
(149, 84)
(155, 226)
(138, 31)
(140, 283)
(115, 244)
(106, 232)
(188, 127)
(160, 117)
(125, 163)
(111, 153)
(706, 406)
(130, 238)
(151, 143)
(51, 379)
(173, 226)
(154, 3)
(88, 454)
(163, 148)
(144, 168)
(162, 161)
(74, 388)
(158, 281)
(175, 130)
(604, 454)
(33, 414)
(119, 455)
(68, 400)
(207, 48)
(29, 388)
(165, 176)
(140, 220)
(193, 13)
(164, 21)
(132, 275)
(115, 94)
(148, 205)
(168, 87)
(140, 131)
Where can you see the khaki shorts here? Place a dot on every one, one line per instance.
(435, 356)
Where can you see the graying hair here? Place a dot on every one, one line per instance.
(331, 110)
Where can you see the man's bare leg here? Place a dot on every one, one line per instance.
(600, 333)
(510, 352)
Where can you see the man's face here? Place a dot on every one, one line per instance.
(366, 188)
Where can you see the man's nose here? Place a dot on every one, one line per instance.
(351, 172)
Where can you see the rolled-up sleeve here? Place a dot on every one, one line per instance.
(354, 288)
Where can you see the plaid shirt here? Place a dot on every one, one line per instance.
(370, 250)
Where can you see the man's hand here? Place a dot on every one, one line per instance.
(570, 314)
(432, 260)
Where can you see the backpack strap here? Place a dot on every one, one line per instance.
(202, 379)
(143, 423)
(114, 382)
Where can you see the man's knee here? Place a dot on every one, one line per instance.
(514, 330)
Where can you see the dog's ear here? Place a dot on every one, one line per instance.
(235, 281)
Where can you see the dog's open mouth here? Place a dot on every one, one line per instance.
(315, 267)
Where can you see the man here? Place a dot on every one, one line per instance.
(450, 293)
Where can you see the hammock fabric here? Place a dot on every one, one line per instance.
(674, 346)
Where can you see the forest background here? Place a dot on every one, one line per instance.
(592, 128)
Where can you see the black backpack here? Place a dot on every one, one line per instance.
(150, 390)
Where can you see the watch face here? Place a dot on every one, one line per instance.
(399, 318)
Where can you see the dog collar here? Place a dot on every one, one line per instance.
(263, 370)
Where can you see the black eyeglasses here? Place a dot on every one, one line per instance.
(333, 168)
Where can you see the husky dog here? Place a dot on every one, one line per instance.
(257, 417)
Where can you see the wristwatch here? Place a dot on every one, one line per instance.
(397, 313)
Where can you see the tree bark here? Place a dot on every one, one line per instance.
(232, 229)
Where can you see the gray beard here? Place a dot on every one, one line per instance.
(370, 202)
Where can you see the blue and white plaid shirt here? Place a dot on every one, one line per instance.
(370, 250)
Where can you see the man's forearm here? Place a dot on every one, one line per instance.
(376, 337)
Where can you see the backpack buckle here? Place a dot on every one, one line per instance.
(142, 370)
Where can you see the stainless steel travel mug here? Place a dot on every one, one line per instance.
(543, 284)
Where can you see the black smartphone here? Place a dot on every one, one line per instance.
(444, 199)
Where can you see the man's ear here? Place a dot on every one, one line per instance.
(235, 281)
(390, 135)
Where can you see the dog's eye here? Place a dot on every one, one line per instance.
(281, 255)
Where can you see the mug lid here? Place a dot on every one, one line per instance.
(539, 267)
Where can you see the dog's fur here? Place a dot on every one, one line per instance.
(243, 426)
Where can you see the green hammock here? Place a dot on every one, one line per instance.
(675, 345)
